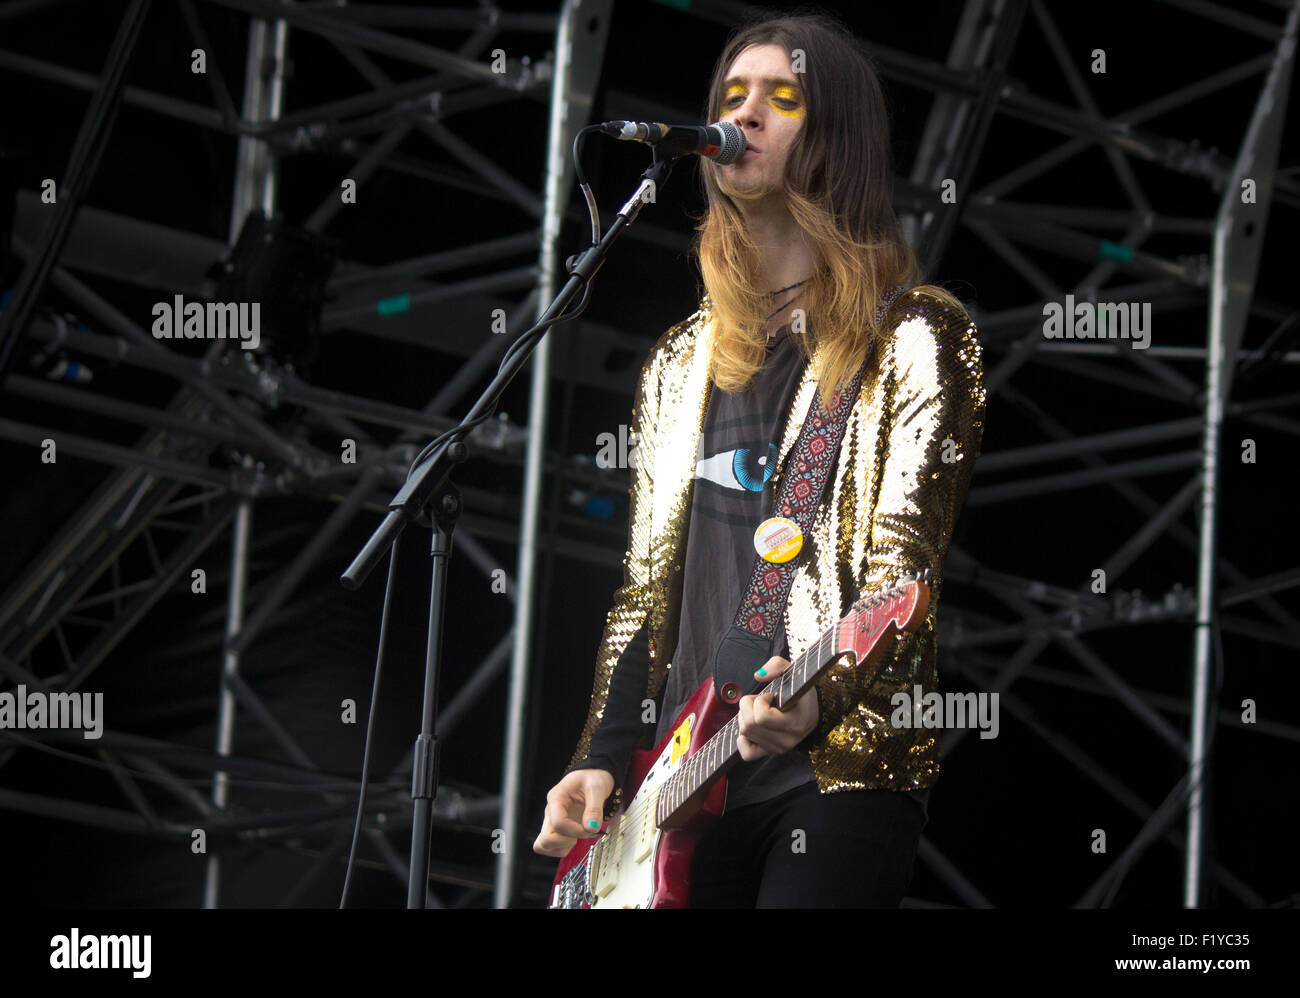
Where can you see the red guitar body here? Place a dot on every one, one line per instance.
(676, 846)
(643, 857)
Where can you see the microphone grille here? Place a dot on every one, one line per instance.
(733, 143)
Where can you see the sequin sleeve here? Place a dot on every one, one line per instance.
(930, 425)
(630, 610)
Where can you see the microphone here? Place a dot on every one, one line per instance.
(723, 142)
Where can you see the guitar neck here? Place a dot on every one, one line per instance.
(861, 634)
(711, 761)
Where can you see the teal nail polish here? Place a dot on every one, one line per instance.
(761, 672)
(593, 824)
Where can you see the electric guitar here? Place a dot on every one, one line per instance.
(643, 859)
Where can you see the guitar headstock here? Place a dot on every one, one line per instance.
(901, 609)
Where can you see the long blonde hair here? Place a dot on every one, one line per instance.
(838, 186)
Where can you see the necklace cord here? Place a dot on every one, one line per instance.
(785, 305)
(779, 291)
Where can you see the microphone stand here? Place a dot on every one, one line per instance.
(430, 498)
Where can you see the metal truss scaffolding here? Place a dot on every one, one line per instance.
(75, 601)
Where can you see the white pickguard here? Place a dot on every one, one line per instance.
(620, 868)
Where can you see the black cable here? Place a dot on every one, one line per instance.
(370, 722)
(535, 332)
(526, 338)
(462, 427)
(521, 342)
(585, 187)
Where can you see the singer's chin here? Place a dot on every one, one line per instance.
(734, 187)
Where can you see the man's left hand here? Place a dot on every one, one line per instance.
(766, 730)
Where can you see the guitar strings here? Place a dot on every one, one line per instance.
(732, 726)
(635, 812)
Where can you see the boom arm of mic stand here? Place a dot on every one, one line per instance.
(424, 480)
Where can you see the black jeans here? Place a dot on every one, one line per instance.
(803, 849)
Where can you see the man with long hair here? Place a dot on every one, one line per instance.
(810, 288)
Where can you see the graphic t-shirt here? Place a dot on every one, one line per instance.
(733, 493)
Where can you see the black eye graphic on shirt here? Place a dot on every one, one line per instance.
(742, 468)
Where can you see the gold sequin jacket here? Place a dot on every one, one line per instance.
(901, 476)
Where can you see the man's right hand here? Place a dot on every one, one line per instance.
(574, 810)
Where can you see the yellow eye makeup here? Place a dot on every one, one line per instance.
(784, 100)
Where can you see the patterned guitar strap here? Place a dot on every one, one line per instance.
(747, 643)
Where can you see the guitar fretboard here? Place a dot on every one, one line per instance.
(699, 769)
